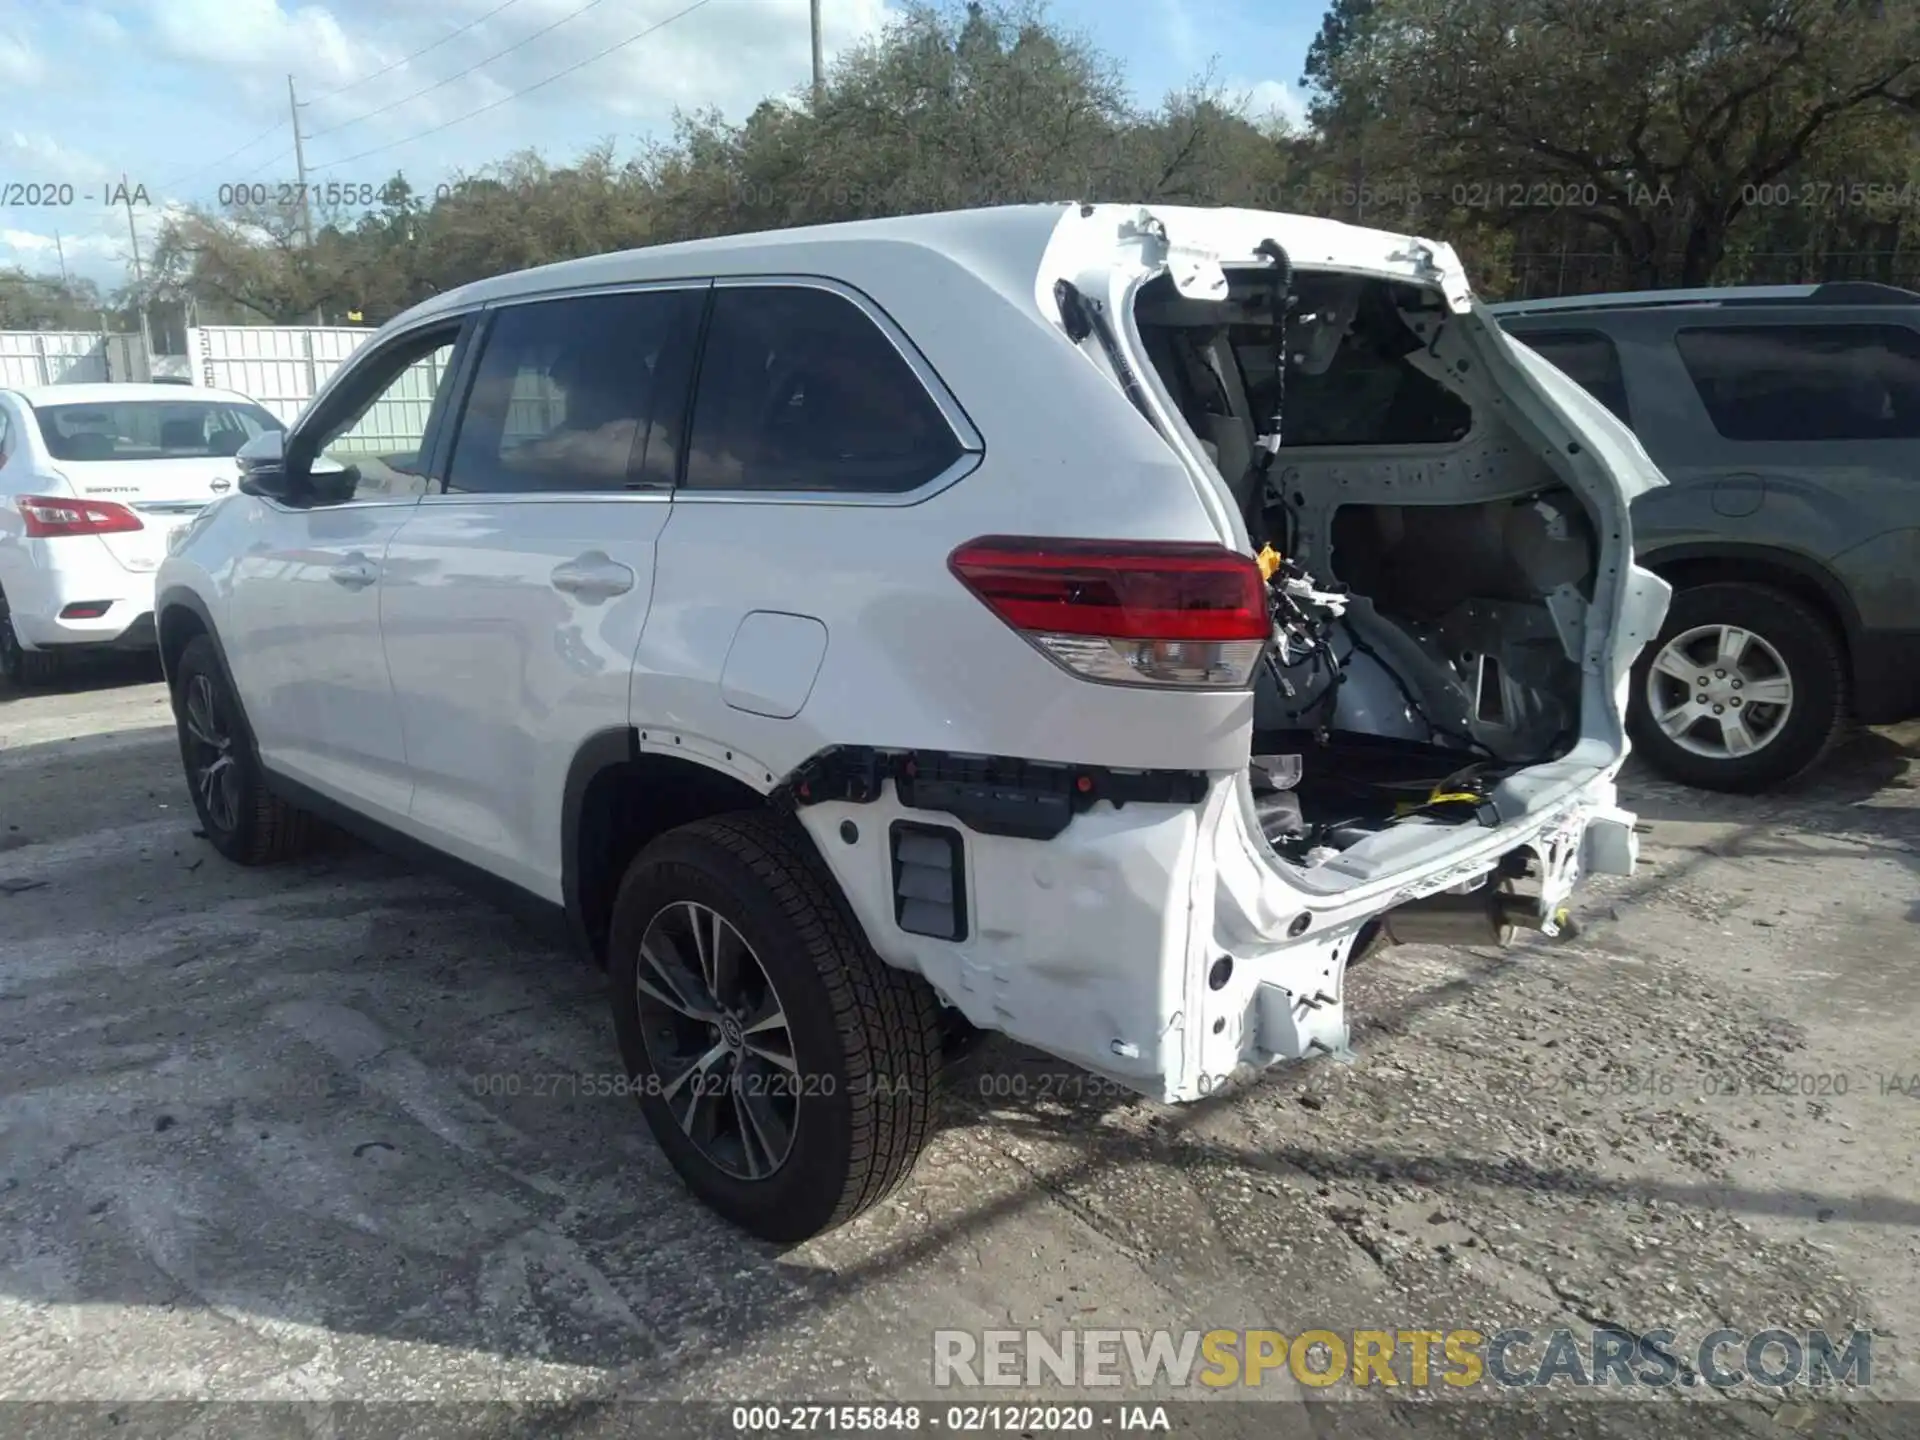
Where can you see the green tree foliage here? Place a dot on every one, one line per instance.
(1662, 128)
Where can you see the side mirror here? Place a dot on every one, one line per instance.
(263, 466)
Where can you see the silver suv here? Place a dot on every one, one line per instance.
(1787, 421)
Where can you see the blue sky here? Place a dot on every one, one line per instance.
(165, 92)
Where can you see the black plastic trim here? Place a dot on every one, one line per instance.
(989, 794)
(542, 915)
(957, 867)
(602, 751)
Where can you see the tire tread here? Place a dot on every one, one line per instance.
(888, 1019)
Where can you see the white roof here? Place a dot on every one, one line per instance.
(119, 391)
(1003, 246)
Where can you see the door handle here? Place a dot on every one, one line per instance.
(593, 574)
(354, 574)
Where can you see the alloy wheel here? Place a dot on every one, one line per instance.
(212, 768)
(1720, 692)
(718, 1041)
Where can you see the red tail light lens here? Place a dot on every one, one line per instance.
(48, 516)
(1137, 612)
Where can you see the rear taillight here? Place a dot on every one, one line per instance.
(1135, 611)
(48, 516)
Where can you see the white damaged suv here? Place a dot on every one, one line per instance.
(1088, 623)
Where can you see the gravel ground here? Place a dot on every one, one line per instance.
(256, 1140)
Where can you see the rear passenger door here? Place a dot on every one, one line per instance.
(515, 596)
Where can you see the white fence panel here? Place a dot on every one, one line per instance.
(281, 366)
(31, 358)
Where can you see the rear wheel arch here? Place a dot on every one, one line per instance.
(1688, 567)
(618, 799)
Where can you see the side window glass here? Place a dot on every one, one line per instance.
(1591, 361)
(578, 394)
(377, 452)
(6, 438)
(801, 391)
(1807, 382)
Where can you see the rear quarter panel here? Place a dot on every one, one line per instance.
(912, 659)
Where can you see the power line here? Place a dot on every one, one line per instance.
(537, 85)
(442, 84)
(409, 59)
(190, 174)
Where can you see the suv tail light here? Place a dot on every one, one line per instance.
(48, 516)
(1131, 611)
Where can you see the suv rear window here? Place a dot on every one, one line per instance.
(1807, 382)
(801, 391)
(1590, 360)
(150, 429)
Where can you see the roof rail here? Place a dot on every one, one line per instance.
(1833, 292)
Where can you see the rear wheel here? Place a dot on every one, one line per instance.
(1744, 688)
(784, 1068)
(245, 820)
(18, 665)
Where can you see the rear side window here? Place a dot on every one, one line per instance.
(6, 438)
(1590, 360)
(1807, 382)
(578, 394)
(800, 391)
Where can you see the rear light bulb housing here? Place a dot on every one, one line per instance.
(49, 517)
(1170, 614)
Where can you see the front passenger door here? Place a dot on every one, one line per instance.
(302, 627)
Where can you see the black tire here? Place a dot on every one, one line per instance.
(20, 667)
(1810, 652)
(865, 1038)
(257, 827)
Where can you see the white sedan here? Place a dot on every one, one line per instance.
(93, 481)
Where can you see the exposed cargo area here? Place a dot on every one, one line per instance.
(1430, 568)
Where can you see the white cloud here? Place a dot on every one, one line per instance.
(20, 63)
(1257, 99)
(40, 158)
(253, 33)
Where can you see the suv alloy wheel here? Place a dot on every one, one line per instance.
(1743, 689)
(787, 1072)
(245, 821)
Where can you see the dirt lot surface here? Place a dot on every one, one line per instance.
(328, 1132)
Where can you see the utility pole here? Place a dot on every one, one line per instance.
(819, 68)
(300, 169)
(139, 280)
(61, 250)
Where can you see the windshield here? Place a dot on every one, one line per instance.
(151, 429)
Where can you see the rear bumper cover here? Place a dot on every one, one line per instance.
(1157, 944)
(75, 574)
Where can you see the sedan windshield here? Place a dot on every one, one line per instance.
(151, 429)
